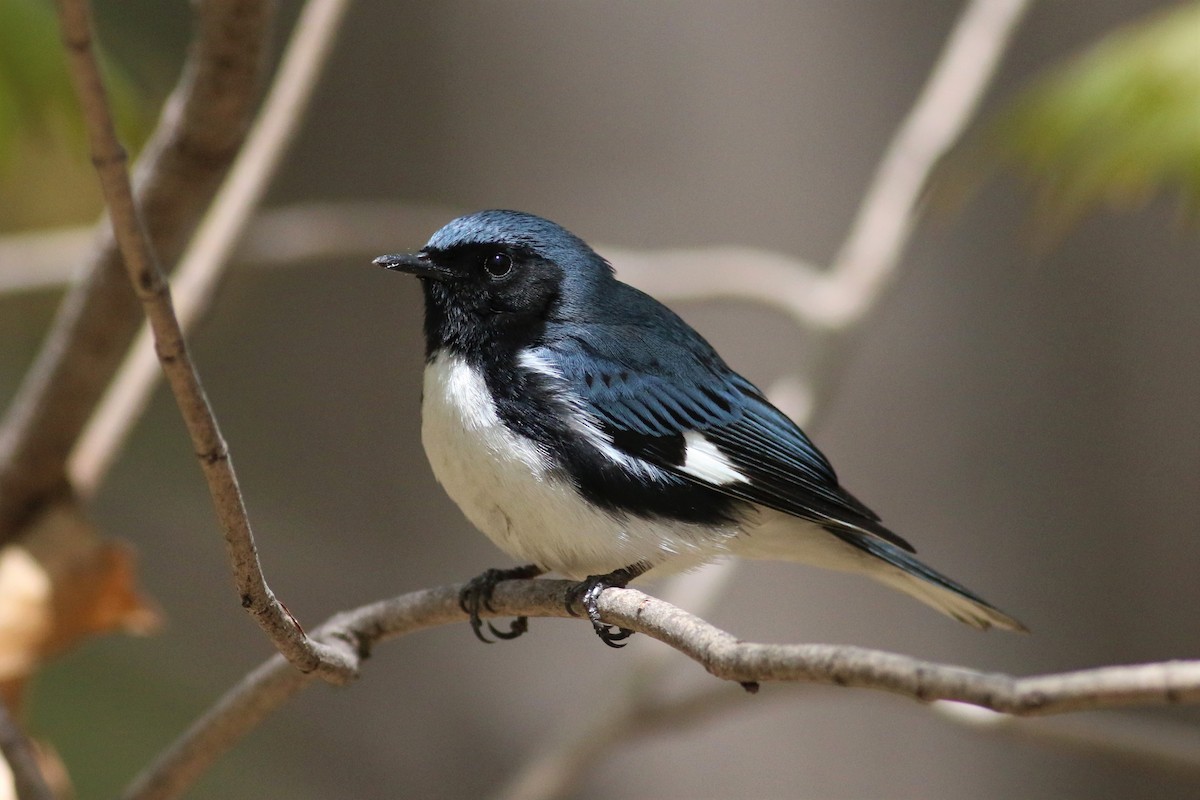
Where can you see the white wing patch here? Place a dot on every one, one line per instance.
(584, 422)
(704, 460)
(536, 362)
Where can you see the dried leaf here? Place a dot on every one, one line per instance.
(59, 584)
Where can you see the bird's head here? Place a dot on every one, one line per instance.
(500, 276)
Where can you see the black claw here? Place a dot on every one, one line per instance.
(573, 596)
(613, 636)
(517, 627)
(476, 596)
(587, 592)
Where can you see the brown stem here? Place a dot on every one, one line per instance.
(155, 296)
(202, 128)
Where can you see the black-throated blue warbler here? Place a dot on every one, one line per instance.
(589, 431)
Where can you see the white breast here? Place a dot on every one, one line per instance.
(508, 488)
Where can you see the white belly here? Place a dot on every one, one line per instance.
(509, 490)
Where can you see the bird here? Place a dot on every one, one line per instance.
(589, 431)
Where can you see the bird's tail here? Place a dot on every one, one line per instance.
(849, 550)
(903, 571)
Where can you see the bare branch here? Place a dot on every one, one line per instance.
(209, 253)
(790, 285)
(290, 235)
(567, 758)
(1155, 743)
(240, 711)
(277, 237)
(154, 294)
(841, 297)
(202, 127)
(22, 760)
(722, 654)
(956, 86)
(41, 259)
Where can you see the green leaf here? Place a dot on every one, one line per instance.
(1115, 126)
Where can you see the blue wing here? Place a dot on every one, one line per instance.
(653, 388)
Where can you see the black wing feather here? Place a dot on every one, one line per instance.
(646, 398)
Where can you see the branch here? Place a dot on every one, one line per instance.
(266, 689)
(201, 129)
(1155, 744)
(566, 759)
(209, 253)
(286, 236)
(947, 104)
(22, 760)
(154, 294)
(839, 298)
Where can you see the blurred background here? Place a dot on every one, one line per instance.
(1026, 415)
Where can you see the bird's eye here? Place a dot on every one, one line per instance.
(498, 264)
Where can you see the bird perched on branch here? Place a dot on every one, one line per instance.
(589, 431)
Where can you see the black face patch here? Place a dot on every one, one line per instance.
(499, 298)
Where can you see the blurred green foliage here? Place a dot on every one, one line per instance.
(1115, 125)
(33, 81)
(42, 141)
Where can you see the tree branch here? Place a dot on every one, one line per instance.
(567, 758)
(1151, 743)
(201, 129)
(285, 236)
(154, 293)
(881, 230)
(207, 256)
(21, 759)
(556, 770)
(840, 297)
(266, 689)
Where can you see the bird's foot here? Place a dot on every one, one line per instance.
(587, 592)
(476, 596)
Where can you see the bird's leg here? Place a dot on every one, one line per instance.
(587, 592)
(477, 594)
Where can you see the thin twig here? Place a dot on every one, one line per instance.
(239, 711)
(947, 104)
(202, 126)
(42, 259)
(22, 760)
(270, 685)
(204, 263)
(291, 235)
(1158, 743)
(561, 766)
(153, 292)
(842, 296)
(566, 760)
(286, 236)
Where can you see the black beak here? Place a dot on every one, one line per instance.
(419, 264)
